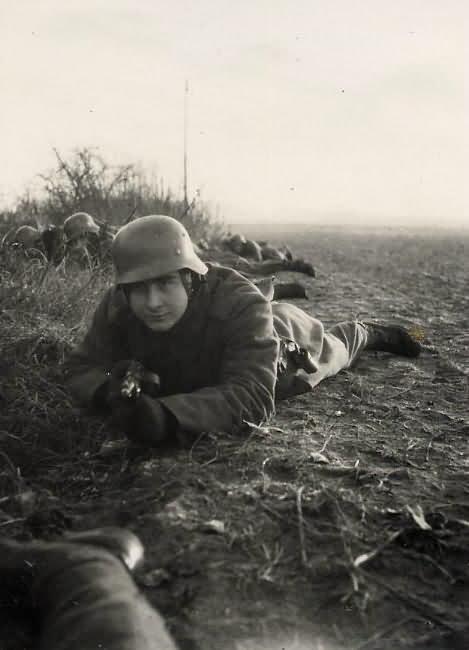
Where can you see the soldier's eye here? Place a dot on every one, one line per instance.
(167, 280)
(136, 286)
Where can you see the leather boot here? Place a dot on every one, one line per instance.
(391, 338)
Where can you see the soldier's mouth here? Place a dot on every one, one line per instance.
(157, 317)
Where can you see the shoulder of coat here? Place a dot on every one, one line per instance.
(231, 292)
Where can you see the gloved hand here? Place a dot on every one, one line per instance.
(126, 380)
(130, 395)
(130, 378)
(122, 392)
(124, 383)
(151, 424)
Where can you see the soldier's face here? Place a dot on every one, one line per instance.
(159, 302)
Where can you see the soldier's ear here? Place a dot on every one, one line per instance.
(116, 303)
(122, 295)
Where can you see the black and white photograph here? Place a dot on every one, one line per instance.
(234, 325)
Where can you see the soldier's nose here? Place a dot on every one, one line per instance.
(154, 296)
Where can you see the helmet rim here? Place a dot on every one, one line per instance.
(152, 246)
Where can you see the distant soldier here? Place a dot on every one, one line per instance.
(82, 238)
(271, 253)
(235, 243)
(253, 268)
(280, 258)
(178, 347)
(252, 250)
(79, 225)
(27, 237)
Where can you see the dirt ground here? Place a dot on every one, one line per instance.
(341, 524)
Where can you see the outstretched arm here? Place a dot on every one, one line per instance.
(88, 367)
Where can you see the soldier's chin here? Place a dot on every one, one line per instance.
(160, 324)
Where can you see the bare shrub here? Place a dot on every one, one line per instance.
(112, 194)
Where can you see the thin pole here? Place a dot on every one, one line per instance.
(186, 101)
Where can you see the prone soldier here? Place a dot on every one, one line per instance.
(209, 335)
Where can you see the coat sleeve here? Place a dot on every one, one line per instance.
(245, 390)
(89, 363)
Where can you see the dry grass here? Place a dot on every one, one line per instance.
(343, 523)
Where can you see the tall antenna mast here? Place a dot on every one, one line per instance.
(186, 101)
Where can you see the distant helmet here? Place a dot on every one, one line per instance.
(27, 236)
(252, 250)
(236, 243)
(153, 246)
(80, 224)
(272, 253)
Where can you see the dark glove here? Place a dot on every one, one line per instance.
(152, 423)
(127, 380)
(129, 394)
(130, 378)
(124, 382)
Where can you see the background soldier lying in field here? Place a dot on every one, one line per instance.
(178, 347)
(87, 243)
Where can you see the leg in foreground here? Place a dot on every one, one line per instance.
(84, 595)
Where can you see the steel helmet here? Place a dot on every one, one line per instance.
(27, 236)
(79, 224)
(153, 246)
(236, 243)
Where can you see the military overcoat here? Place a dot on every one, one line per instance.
(217, 365)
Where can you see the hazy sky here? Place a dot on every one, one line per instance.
(349, 110)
